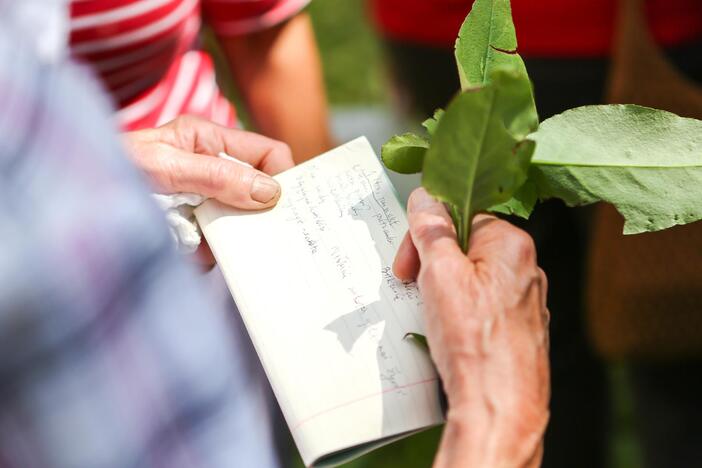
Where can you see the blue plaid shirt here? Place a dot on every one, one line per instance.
(111, 353)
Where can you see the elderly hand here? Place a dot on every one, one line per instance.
(487, 327)
(180, 156)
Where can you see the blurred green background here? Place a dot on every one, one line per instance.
(356, 78)
(352, 57)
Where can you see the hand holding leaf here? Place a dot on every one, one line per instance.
(474, 162)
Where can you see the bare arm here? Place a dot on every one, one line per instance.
(280, 77)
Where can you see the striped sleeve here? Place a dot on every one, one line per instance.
(239, 17)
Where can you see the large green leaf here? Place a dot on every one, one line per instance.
(486, 40)
(521, 204)
(474, 162)
(404, 153)
(646, 162)
(516, 104)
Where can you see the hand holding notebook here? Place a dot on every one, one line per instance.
(313, 282)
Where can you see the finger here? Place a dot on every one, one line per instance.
(203, 257)
(543, 282)
(545, 314)
(204, 137)
(406, 264)
(237, 185)
(431, 227)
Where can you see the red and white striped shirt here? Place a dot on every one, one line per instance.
(144, 51)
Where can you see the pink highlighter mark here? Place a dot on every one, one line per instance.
(356, 400)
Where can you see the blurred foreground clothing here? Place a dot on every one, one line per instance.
(111, 354)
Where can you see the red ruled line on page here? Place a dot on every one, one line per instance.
(356, 400)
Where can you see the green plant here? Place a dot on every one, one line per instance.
(488, 152)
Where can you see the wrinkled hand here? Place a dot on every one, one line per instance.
(487, 327)
(180, 156)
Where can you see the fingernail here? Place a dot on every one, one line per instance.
(264, 189)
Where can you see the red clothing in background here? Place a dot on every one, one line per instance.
(546, 28)
(146, 52)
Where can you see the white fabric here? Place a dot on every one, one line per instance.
(179, 209)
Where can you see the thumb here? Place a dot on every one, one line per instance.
(231, 183)
(431, 228)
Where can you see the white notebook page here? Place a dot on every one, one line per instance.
(313, 282)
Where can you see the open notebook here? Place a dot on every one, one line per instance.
(313, 282)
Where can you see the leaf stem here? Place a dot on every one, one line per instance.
(466, 234)
(462, 227)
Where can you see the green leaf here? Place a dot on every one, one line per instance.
(521, 204)
(646, 162)
(456, 216)
(474, 162)
(420, 339)
(404, 153)
(431, 123)
(486, 40)
(516, 104)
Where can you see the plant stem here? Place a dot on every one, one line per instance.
(466, 234)
(462, 227)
